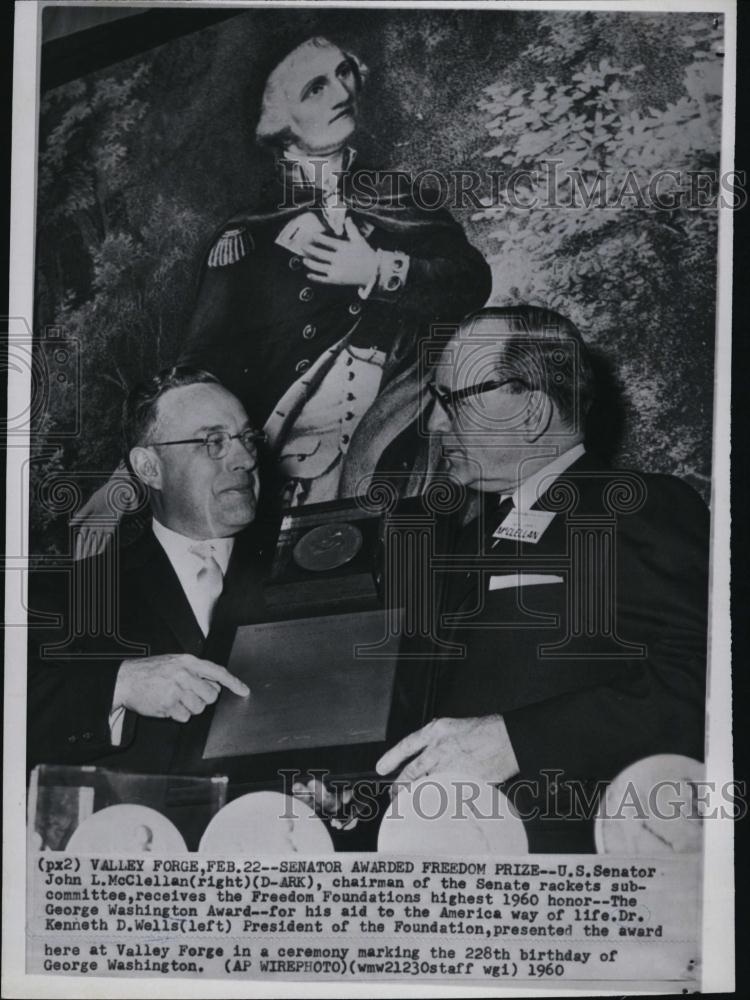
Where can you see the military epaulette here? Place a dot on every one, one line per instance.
(232, 246)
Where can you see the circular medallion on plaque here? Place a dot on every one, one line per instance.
(327, 547)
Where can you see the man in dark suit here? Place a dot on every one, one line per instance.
(125, 648)
(574, 597)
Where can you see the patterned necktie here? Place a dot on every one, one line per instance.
(495, 517)
(503, 509)
(210, 583)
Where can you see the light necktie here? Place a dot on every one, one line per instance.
(209, 583)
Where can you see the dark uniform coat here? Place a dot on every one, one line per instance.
(259, 323)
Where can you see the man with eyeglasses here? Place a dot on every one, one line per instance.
(135, 658)
(571, 635)
(311, 304)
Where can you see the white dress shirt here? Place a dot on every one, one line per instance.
(537, 484)
(187, 565)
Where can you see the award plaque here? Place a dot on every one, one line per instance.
(326, 561)
(314, 682)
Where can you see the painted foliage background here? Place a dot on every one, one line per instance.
(140, 162)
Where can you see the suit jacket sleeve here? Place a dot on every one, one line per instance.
(70, 689)
(655, 704)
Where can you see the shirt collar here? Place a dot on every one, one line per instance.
(537, 484)
(177, 546)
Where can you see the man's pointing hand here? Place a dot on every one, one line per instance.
(174, 686)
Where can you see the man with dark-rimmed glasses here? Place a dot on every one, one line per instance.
(573, 595)
(144, 628)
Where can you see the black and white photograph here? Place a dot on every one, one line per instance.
(367, 555)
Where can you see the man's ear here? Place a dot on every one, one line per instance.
(537, 415)
(146, 465)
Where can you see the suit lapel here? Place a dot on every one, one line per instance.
(467, 542)
(241, 601)
(150, 567)
(575, 477)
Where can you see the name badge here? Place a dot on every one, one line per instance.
(526, 526)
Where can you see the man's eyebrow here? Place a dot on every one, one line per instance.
(207, 429)
(222, 427)
(312, 83)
